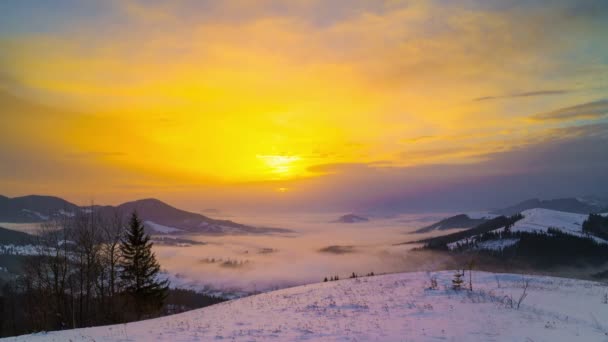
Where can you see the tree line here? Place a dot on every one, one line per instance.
(596, 225)
(88, 269)
(441, 242)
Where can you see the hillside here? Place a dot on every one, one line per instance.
(162, 218)
(570, 205)
(453, 222)
(540, 220)
(12, 237)
(351, 218)
(33, 208)
(394, 307)
(159, 217)
(441, 242)
(534, 221)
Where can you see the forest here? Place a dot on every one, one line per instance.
(89, 270)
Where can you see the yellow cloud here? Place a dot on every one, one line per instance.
(269, 95)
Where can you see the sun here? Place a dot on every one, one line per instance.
(279, 165)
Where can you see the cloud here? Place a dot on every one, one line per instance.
(524, 94)
(418, 138)
(337, 167)
(95, 154)
(588, 110)
(432, 153)
(192, 91)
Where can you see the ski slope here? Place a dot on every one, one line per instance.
(395, 307)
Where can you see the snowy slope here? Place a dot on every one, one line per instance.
(540, 220)
(396, 307)
(537, 220)
(159, 228)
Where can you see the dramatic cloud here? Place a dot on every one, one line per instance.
(248, 103)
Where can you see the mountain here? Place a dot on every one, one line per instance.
(570, 205)
(165, 219)
(158, 217)
(580, 206)
(458, 221)
(537, 238)
(351, 218)
(535, 221)
(33, 208)
(441, 242)
(540, 220)
(392, 307)
(12, 237)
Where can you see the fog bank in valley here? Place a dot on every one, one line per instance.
(317, 249)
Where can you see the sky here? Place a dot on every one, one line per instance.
(304, 104)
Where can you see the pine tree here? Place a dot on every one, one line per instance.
(457, 281)
(139, 270)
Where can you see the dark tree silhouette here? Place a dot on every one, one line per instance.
(457, 281)
(139, 270)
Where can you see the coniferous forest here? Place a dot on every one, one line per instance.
(90, 270)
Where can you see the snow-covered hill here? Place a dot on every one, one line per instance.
(536, 220)
(396, 307)
(159, 217)
(540, 220)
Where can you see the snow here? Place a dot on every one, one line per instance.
(540, 220)
(497, 245)
(536, 220)
(160, 228)
(66, 213)
(39, 215)
(11, 249)
(395, 307)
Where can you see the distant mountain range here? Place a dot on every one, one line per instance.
(568, 205)
(158, 217)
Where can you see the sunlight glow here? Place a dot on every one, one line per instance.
(279, 165)
(175, 96)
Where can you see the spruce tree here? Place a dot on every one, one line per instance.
(139, 270)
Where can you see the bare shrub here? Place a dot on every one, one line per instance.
(512, 303)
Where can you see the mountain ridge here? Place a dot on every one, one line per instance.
(453, 222)
(158, 216)
(566, 204)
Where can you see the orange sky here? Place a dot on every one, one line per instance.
(130, 98)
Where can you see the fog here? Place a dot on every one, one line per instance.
(260, 263)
